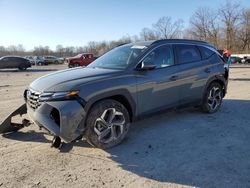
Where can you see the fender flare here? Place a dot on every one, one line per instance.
(106, 95)
(221, 79)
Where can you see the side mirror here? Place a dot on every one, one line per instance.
(146, 66)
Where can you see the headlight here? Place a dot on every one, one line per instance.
(67, 95)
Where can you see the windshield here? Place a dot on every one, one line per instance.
(118, 58)
(78, 56)
(39, 58)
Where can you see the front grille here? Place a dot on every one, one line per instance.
(33, 99)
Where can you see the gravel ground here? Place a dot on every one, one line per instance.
(174, 149)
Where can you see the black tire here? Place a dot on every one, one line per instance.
(75, 65)
(212, 98)
(22, 68)
(102, 134)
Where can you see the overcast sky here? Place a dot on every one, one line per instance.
(76, 22)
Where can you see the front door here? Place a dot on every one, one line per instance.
(158, 89)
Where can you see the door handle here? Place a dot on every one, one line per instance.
(173, 78)
(207, 70)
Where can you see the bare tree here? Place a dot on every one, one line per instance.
(148, 34)
(230, 15)
(59, 50)
(167, 29)
(42, 50)
(243, 35)
(3, 51)
(204, 25)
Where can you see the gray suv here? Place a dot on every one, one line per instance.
(101, 100)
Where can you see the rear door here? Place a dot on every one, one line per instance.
(194, 71)
(158, 89)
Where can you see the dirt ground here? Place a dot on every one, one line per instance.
(175, 149)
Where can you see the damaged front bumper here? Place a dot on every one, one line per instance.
(64, 119)
(7, 126)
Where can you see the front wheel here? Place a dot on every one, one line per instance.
(22, 68)
(213, 98)
(107, 124)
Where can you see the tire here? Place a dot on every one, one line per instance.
(107, 124)
(212, 99)
(22, 68)
(75, 65)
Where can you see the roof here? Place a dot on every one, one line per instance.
(12, 56)
(181, 41)
(85, 53)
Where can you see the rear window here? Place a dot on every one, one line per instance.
(206, 53)
(187, 53)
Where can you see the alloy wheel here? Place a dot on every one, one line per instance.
(214, 98)
(110, 126)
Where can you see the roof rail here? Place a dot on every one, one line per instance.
(181, 40)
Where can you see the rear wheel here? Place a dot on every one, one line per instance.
(213, 98)
(107, 124)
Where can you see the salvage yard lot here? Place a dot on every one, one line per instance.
(174, 149)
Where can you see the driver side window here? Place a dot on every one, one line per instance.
(6, 59)
(162, 56)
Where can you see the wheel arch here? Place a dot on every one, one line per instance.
(121, 96)
(221, 80)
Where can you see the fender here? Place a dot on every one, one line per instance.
(220, 78)
(120, 92)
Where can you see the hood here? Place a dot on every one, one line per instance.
(71, 58)
(69, 79)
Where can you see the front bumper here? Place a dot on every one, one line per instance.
(61, 118)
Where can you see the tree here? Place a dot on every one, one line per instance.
(3, 51)
(167, 29)
(204, 25)
(230, 16)
(148, 34)
(244, 32)
(59, 50)
(42, 50)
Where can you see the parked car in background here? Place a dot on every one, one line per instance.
(31, 59)
(236, 59)
(14, 62)
(246, 59)
(39, 60)
(52, 60)
(82, 59)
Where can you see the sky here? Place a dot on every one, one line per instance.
(76, 22)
